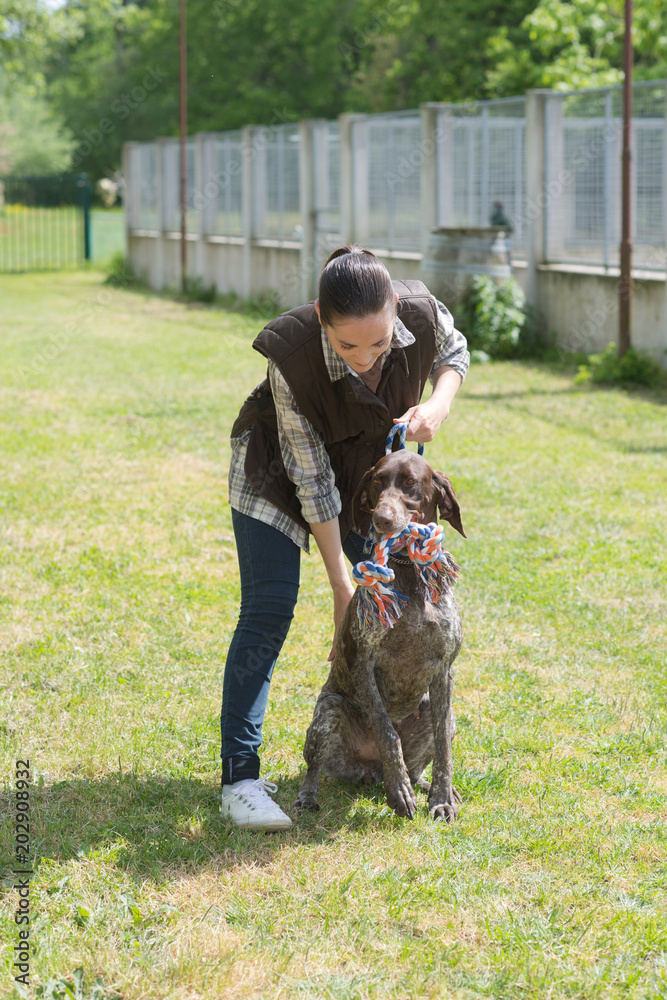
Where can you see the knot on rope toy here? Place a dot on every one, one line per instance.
(378, 603)
(401, 430)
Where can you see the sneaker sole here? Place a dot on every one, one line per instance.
(271, 827)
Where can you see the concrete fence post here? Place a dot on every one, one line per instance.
(663, 353)
(307, 209)
(536, 199)
(247, 202)
(353, 185)
(160, 205)
(200, 206)
(131, 186)
(555, 186)
(436, 181)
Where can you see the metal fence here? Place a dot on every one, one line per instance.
(386, 180)
(583, 141)
(481, 172)
(44, 222)
(481, 165)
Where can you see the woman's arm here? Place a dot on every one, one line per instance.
(449, 369)
(327, 536)
(308, 466)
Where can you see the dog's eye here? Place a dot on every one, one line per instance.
(376, 480)
(409, 482)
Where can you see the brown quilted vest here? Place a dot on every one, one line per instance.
(352, 421)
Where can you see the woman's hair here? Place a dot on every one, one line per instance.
(353, 283)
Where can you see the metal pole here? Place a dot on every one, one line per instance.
(183, 147)
(625, 288)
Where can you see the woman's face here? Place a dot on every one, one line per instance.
(361, 341)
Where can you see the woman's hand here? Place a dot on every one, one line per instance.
(342, 597)
(425, 419)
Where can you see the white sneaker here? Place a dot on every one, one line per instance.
(247, 805)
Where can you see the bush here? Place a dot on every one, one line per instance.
(634, 368)
(197, 291)
(119, 272)
(499, 322)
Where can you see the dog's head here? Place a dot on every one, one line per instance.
(403, 487)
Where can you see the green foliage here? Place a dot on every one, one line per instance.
(634, 368)
(499, 323)
(109, 69)
(570, 44)
(197, 291)
(33, 138)
(119, 272)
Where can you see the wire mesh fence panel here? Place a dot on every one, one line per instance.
(277, 210)
(43, 222)
(481, 166)
(326, 188)
(394, 181)
(171, 186)
(228, 160)
(583, 162)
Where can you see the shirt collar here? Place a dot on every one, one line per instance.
(338, 368)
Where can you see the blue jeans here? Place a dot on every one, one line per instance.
(269, 565)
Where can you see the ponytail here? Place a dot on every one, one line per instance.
(353, 283)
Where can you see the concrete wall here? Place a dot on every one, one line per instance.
(579, 303)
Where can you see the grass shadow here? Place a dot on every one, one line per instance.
(150, 824)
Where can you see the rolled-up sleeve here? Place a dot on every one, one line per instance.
(451, 347)
(304, 456)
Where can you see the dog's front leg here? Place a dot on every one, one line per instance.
(399, 791)
(443, 797)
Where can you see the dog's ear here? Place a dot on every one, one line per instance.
(448, 505)
(360, 503)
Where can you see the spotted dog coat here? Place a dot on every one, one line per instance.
(385, 710)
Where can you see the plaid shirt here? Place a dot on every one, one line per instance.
(304, 455)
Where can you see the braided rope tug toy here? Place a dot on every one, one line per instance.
(379, 603)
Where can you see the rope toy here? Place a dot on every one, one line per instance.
(378, 602)
(401, 430)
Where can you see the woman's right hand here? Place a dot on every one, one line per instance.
(342, 596)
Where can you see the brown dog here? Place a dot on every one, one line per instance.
(385, 711)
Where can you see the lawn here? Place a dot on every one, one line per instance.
(118, 597)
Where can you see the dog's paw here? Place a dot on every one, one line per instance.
(305, 805)
(444, 811)
(401, 797)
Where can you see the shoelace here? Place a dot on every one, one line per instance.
(257, 788)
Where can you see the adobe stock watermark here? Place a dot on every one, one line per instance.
(121, 108)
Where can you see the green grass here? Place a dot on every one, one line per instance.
(118, 598)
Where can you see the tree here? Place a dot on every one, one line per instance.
(33, 140)
(570, 44)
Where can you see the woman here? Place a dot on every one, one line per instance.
(341, 370)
